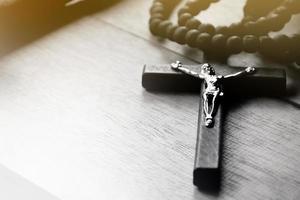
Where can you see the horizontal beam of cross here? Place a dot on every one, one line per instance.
(265, 82)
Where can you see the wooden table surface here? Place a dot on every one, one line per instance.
(75, 120)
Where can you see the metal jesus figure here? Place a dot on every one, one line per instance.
(213, 86)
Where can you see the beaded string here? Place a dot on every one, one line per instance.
(249, 35)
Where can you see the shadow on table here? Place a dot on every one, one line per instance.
(24, 21)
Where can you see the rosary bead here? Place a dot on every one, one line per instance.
(282, 41)
(162, 27)
(272, 18)
(221, 30)
(155, 5)
(157, 9)
(261, 26)
(257, 8)
(276, 22)
(179, 34)
(284, 18)
(248, 18)
(170, 32)
(192, 23)
(281, 10)
(218, 43)
(183, 10)
(234, 44)
(207, 28)
(250, 27)
(236, 28)
(203, 41)
(154, 26)
(267, 46)
(250, 43)
(167, 5)
(191, 37)
(184, 18)
(193, 4)
(156, 16)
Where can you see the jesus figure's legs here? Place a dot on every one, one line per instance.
(209, 106)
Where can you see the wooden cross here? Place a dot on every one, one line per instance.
(178, 77)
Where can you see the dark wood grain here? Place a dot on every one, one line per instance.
(75, 120)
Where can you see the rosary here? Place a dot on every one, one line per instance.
(249, 35)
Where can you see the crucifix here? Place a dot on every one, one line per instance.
(235, 81)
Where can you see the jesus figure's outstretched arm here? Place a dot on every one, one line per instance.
(247, 71)
(178, 67)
